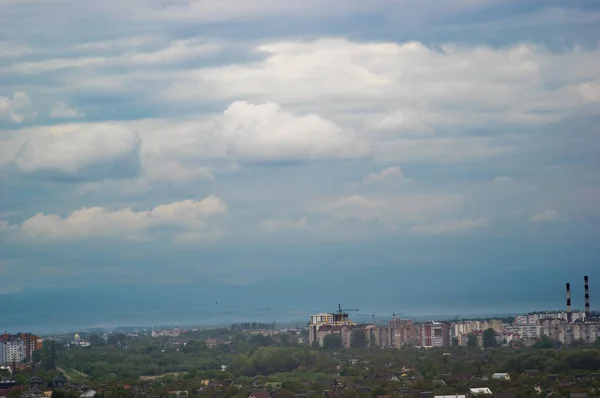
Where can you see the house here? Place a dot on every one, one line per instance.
(35, 380)
(530, 372)
(178, 393)
(425, 394)
(438, 383)
(259, 394)
(88, 394)
(480, 391)
(554, 378)
(33, 392)
(501, 376)
(451, 396)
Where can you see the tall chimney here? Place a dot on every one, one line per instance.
(569, 317)
(587, 298)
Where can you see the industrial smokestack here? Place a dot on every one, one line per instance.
(587, 298)
(569, 318)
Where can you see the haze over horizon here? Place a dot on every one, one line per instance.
(158, 157)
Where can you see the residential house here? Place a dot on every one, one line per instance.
(33, 392)
(480, 391)
(501, 376)
(259, 394)
(35, 381)
(88, 394)
(451, 396)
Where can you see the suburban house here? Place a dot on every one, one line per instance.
(501, 376)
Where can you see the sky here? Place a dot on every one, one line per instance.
(407, 155)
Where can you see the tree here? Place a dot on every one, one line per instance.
(332, 341)
(472, 341)
(358, 339)
(96, 340)
(489, 338)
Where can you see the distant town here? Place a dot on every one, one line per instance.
(567, 327)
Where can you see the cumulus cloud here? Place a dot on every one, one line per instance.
(92, 152)
(16, 109)
(188, 218)
(393, 172)
(265, 132)
(413, 85)
(451, 226)
(63, 110)
(544, 216)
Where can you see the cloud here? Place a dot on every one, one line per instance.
(393, 172)
(63, 110)
(173, 52)
(392, 210)
(264, 132)
(188, 218)
(276, 225)
(16, 109)
(409, 84)
(544, 216)
(92, 152)
(451, 226)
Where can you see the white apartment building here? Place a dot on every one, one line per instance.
(526, 331)
(12, 351)
(322, 318)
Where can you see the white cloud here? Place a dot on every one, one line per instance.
(266, 133)
(409, 84)
(544, 216)
(96, 152)
(16, 109)
(451, 226)
(393, 172)
(392, 210)
(63, 110)
(189, 218)
(276, 225)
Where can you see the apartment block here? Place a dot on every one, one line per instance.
(18, 347)
(435, 334)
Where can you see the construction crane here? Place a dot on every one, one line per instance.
(341, 311)
(372, 315)
(394, 313)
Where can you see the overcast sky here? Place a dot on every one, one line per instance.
(172, 141)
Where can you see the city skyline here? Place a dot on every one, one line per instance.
(437, 155)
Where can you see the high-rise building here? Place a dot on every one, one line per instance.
(403, 332)
(322, 319)
(12, 350)
(18, 347)
(435, 334)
